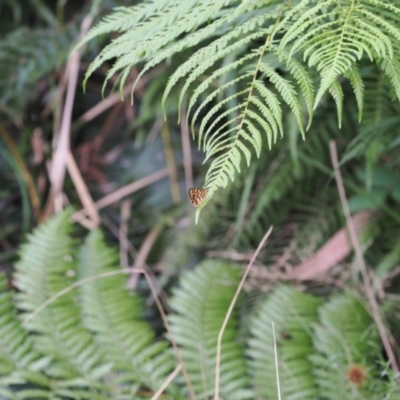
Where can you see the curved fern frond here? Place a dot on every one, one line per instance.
(147, 39)
(246, 87)
(113, 315)
(46, 266)
(334, 35)
(200, 305)
(292, 313)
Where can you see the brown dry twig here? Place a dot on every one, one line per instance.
(360, 260)
(124, 191)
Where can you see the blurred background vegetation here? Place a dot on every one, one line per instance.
(113, 145)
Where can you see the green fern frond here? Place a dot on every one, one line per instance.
(346, 340)
(337, 93)
(125, 18)
(113, 315)
(292, 313)
(333, 36)
(46, 266)
(150, 37)
(380, 115)
(243, 98)
(200, 305)
(20, 363)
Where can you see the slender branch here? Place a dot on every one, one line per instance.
(360, 260)
(229, 312)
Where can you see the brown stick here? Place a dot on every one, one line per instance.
(142, 254)
(360, 260)
(125, 191)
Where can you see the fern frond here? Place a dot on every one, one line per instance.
(380, 115)
(113, 315)
(292, 313)
(346, 338)
(46, 264)
(125, 18)
(19, 361)
(147, 39)
(333, 37)
(200, 305)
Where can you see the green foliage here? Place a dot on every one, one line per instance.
(113, 315)
(92, 342)
(27, 55)
(293, 314)
(255, 59)
(19, 360)
(200, 306)
(346, 340)
(45, 268)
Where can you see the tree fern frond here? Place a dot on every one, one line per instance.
(46, 263)
(286, 90)
(204, 85)
(113, 315)
(125, 18)
(380, 115)
(357, 84)
(206, 57)
(302, 78)
(391, 68)
(155, 34)
(333, 36)
(245, 29)
(202, 302)
(292, 313)
(337, 93)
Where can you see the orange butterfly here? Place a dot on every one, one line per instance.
(197, 196)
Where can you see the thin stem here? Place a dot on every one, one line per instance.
(229, 312)
(360, 260)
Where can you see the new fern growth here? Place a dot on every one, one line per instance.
(258, 60)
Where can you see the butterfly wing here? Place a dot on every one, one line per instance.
(197, 196)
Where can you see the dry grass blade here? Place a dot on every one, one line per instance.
(278, 385)
(360, 260)
(167, 382)
(123, 233)
(229, 312)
